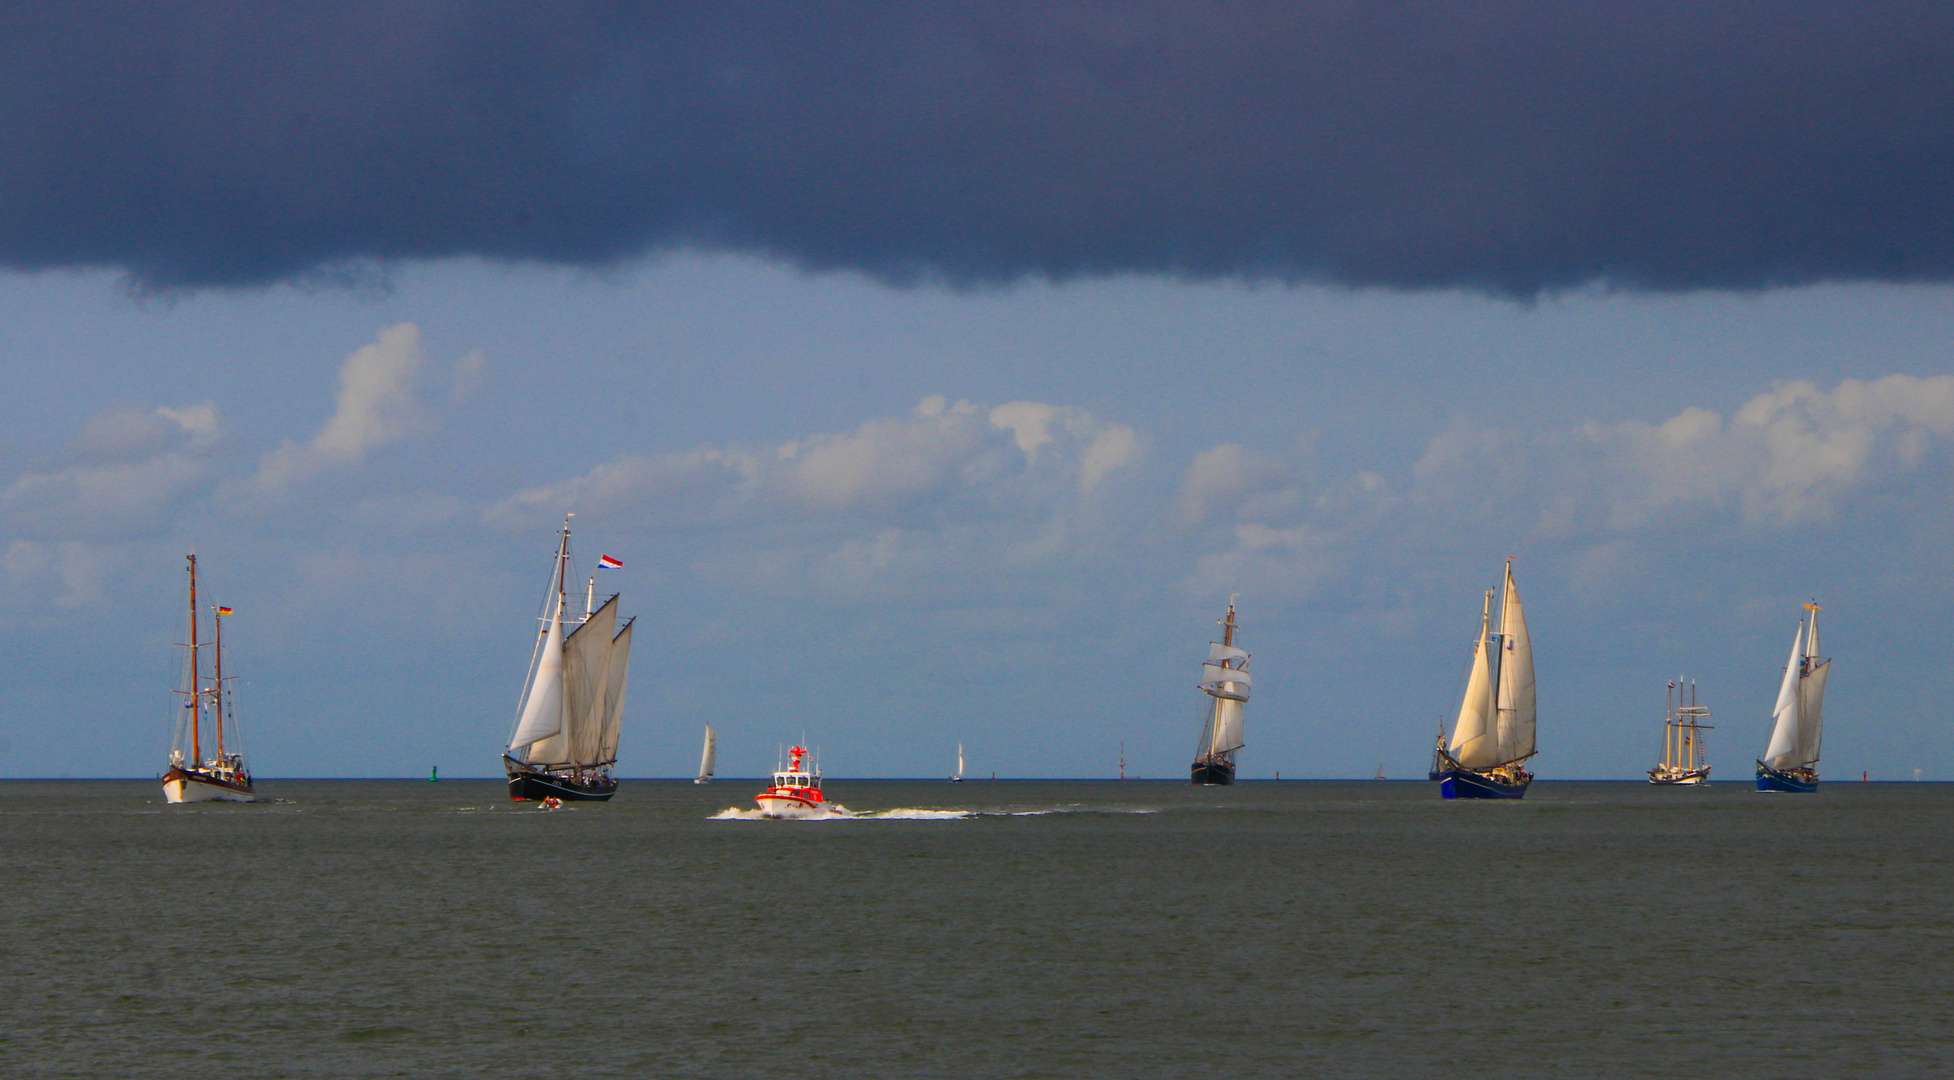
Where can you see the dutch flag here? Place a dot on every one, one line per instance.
(607, 562)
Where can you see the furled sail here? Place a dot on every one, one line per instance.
(1782, 752)
(542, 710)
(1475, 737)
(614, 693)
(709, 756)
(1515, 702)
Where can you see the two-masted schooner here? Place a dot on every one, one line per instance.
(206, 707)
(1798, 718)
(1685, 759)
(708, 757)
(1225, 680)
(565, 740)
(1493, 735)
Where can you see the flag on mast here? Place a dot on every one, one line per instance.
(609, 562)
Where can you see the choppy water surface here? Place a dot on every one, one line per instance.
(988, 929)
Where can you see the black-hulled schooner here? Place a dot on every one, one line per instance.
(1225, 680)
(207, 708)
(565, 740)
(1494, 733)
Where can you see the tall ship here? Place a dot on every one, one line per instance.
(1225, 680)
(1685, 759)
(707, 758)
(564, 745)
(207, 708)
(1798, 718)
(1493, 736)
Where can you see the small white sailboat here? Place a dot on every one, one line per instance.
(1798, 718)
(222, 776)
(957, 777)
(1495, 730)
(707, 758)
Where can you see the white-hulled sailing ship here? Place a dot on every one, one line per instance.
(1798, 718)
(1493, 736)
(707, 757)
(565, 740)
(957, 777)
(222, 776)
(1685, 759)
(1225, 680)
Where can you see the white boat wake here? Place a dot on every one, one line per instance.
(837, 812)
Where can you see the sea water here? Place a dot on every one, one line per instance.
(983, 929)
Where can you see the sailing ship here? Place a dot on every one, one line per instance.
(796, 790)
(1380, 771)
(957, 777)
(1493, 735)
(1685, 759)
(1225, 679)
(707, 758)
(1798, 718)
(192, 777)
(565, 740)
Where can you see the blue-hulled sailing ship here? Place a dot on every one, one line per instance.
(1493, 736)
(1798, 719)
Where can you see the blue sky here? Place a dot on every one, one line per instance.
(929, 443)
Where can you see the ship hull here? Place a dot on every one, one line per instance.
(194, 786)
(1690, 778)
(1465, 784)
(786, 806)
(1213, 773)
(1769, 779)
(529, 786)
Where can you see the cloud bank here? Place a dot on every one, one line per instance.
(1513, 146)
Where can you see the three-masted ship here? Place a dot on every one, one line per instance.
(1225, 680)
(1493, 735)
(564, 744)
(206, 707)
(1685, 759)
(1798, 718)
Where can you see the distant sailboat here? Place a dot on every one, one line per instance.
(1224, 678)
(1798, 717)
(1685, 759)
(1494, 732)
(1380, 771)
(192, 777)
(565, 740)
(957, 778)
(707, 757)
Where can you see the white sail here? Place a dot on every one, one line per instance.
(1227, 725)
(1515, 701)
(1217, 652)
(709, 755)
(1216, 676)
(1475, 737)
(959, 761)
(1782, 751)
(586, 678)
(1811, 710)
(542, 710)
(614, 693)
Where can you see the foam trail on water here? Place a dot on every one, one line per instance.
(838, 812)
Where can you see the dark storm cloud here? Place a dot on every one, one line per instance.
(1502, 145)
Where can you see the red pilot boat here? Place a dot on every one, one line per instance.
(796, 790)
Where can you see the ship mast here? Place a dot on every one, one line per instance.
(196, 673)
(217, 688)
